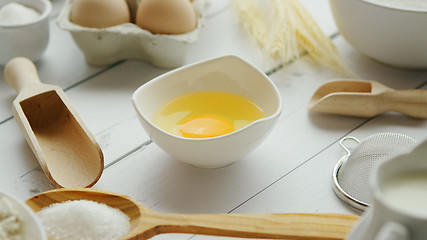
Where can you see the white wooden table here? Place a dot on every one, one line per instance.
(290, 172)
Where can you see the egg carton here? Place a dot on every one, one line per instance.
(104, 46)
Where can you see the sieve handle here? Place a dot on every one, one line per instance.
(348, 152)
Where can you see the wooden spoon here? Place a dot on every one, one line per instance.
(367, 99)
(68, 154)
(146, 223)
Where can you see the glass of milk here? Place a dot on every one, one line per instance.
(399, 186)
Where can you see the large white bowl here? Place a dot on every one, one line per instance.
(393, 36)
(31, 225)
(228, 73)
(28, 40)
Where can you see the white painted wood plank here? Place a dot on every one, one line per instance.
(292, 165)
(321, 13)
(289, 80)
(223, 34)
(298, 137)
(114, 86)
(62, 64)
(18, 173)
(308, 188)
(103, 103)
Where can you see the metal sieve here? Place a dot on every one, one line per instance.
(350, 179)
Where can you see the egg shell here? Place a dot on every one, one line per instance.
(99, 13)
(105, 46)
(166, 16)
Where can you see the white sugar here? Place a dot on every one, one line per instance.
(420, 5)
(83, 220)
(15, 13)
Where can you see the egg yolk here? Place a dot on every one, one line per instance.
(204, 126)
(205, 114)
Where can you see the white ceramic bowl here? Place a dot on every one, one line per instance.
(394, 36)
(32, 227)
(228, 73)
(28, 40)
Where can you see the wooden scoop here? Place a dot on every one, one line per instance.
(367, 99)
(146, 223)
(68, 154)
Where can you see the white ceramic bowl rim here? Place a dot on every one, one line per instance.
(45, 14)
(274, 115)
(33, 218)
(397, 9)
(402, 158)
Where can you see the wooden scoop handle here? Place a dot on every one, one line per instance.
(19, 72)
(269, 226)
(410, 102)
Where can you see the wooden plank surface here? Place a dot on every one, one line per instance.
(288, 173)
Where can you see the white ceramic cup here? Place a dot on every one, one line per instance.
(399, 186)
(28, 40)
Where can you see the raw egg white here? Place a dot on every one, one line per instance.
(166, 16)
(99, 13)
(206, 114)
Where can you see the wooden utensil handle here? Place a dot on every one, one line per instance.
(410, 102)
(271, 226)
(19, 72)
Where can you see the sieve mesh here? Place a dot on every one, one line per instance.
(353, 176)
